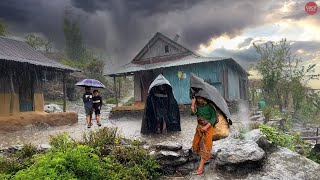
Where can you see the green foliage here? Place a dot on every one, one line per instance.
(3, 28)
(111, 101)
(74, 45)
(5, 176)
(101, 137)
(9, 165)
(292, 142)
(130, 102)
(38, 42)
(132, 163)
(69, 159)
(74, 163)
(310, 108)
(314, 157)
(61, 142)
(284, 79)
(27, 151)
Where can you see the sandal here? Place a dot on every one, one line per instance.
(199, 172)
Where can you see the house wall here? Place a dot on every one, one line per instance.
(158, 49)
(5, 101)
(10, 98)
(233, 84)
(222, 76)
(137, 88)
(210, 72)
(38, 102)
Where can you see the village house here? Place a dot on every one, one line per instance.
(23, 70)
(162, 55)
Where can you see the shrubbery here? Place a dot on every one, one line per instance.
(111, 101)
(290, 141)
(70, 159)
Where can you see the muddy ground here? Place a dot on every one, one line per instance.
(128, 126)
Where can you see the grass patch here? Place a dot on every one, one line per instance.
(111, 101)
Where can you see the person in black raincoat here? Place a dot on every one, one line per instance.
(161, 110)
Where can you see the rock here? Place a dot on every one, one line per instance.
(234, 152)
(167, 155)
(285, 164)
(257, 136)
(15, 148)
(173, 162)
(186, 168)
(45, 146)
(168, 145)
(52, 108)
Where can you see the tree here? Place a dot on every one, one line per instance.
(74, 47)
(38, 43)
(284, 79)
(3, 28)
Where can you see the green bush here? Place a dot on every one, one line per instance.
(62, 141)
(74, 163)
(111, 101)
(130, 102)
(314, 156)
(9, 165)
(27, 151)
(101, 137)
(69, 159)
(132, 162)
(290, 141)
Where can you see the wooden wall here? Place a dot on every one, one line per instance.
(225, 78)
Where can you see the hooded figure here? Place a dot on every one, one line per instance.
(161, 112)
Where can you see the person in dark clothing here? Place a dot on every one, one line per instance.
(88, 105)
(97, 104)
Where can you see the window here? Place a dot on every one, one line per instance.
(166, 48)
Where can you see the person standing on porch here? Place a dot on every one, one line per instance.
(88, 105)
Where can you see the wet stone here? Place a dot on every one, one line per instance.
(167, 155)
(45, 146)
(15, 148)
(52, 108)
(168, 145)
(173, 162)
(186, 168)
(234, 152)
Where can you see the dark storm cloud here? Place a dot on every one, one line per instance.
(34, 16)
(143, 7)
(121, 28)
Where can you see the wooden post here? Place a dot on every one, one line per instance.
(115, 90)
(12, 93)
(317, 135)
(64, 93)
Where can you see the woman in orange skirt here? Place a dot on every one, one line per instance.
(202, 142)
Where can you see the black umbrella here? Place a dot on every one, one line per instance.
(200, 88)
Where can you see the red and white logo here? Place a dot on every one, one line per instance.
(311, 8)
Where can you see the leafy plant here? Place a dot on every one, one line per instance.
(9, 165)
(291, 141)
(111, 101)
(27, 151)
(62, 141)
(74, 163)
(100, 137)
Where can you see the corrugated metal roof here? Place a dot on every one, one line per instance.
(15, 50)
(131, 67)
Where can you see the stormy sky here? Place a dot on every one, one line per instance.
(120, 28)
